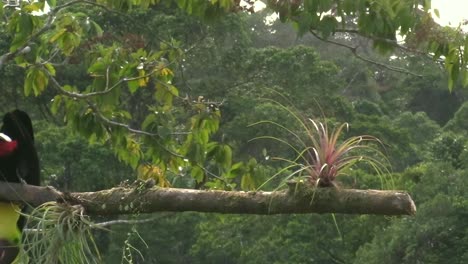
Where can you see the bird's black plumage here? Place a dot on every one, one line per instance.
(23, 163)
(18, 163)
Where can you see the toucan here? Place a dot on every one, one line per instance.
(19, 163)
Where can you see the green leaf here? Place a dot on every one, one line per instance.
(98, 67)
(68, 42)
(182, 3)
(247, 182)
(349, 6)
(69, 88)
(37, 6)
(133, 86)
(304, 23)
(52, 3)
(427, 4)
(227, 157)
(328, 26)
(252, 163)
(57, 35)
(149, 120)
(464, 78)
(50, 68)
(226, 4)
(452, 65)
(21, 26)
(36, 81)
(40, 82)
(56, 103)
(197, 174)
(97, 28)
(164, 132)
(28, 83)
(165, 94)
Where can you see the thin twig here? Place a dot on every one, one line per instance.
(350, 82)
(132, 222)
(354, 51)
(98, 93)
(106, 120)
(113, 222)
(212, 174)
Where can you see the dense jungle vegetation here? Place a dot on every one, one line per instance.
(227, 71)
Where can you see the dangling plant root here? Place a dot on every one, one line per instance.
(129, 250)
(59, 233)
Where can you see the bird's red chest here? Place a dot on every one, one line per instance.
(7, 147)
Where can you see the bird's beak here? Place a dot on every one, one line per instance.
(5, 137)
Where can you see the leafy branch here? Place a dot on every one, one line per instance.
(51, 15)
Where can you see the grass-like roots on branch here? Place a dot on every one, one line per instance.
(59, 233)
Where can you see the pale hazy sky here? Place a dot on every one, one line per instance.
(451, 11)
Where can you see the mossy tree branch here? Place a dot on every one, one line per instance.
(299, 199)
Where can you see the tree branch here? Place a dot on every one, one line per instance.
(354, 51)
(299, 199)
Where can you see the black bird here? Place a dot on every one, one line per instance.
(18, 163)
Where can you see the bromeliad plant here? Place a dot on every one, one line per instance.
(323, 155)
(327, 158)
